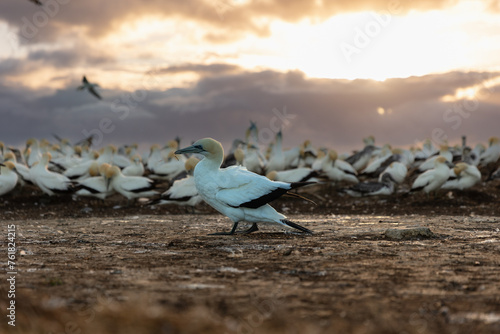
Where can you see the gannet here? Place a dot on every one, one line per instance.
(338, 170)
(90, 87)
(236, 192)
(308, 154)
(97, 184)
(49, 182)
(466, 177)
(8, 177)
(384, 187)
(492, 153)
(130, 186)
(183, 191)
(170, 169)
(494, 175)
(444, 151)
(276, 160)
(360, 160)
(396, 170)
(37, 2)
(303, 174)
(21, 169)
(136, 168)
(434, 178)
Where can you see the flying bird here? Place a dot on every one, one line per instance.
(235, 191)
(90, 87)
(37, 2)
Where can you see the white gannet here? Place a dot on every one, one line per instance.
(338, 170)
(492, 153)
(136, 168)
(434, 178)
(303, 174)
(183, 191)
(276, 160)
(236, 192)
(397, 170)
(97, 184)
(8, 177)
(360, 160)
(169, 169)
(384, 187)
(308, 154)
(49, 182)
(130, 186)
(21, 169)
(466, 177)
(91, 87)
(444, 151)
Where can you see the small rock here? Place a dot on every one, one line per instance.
(409, 233)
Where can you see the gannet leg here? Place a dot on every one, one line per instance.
(251, 229)
(227, 233)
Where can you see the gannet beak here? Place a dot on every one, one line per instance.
(190, 149)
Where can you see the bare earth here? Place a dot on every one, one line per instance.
(89, 267)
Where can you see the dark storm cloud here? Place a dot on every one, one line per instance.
(45, 23)
(333, 113)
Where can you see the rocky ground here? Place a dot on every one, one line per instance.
(87, 266)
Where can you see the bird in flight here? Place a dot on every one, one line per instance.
(37, 2)
(90, 87)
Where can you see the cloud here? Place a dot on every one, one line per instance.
(97, 18)
(332, 113)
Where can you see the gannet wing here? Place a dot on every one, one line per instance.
(241, 188)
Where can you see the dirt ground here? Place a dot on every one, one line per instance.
(87, 266)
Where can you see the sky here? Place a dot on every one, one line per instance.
(332, 72)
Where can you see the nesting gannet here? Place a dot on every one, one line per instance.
(434, 178)
(170, 169)
(130, 186)
(379, 160)
(360, 160)
(253, 161)
(236, 192)
(97, 184)
(338, 170)
(384, 187)
(396, 170)
(427, 150)
(239, 156)
(91, 87)
(466, 177)
(183, 191)
(136, 168)
(444, 151)
(8, 177)
(276, 160)
(308, 154)
(49, 182)
(303, 174)
(492, 153)
(21, 169)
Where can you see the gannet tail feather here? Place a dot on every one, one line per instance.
(297, 226)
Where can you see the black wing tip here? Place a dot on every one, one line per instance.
(296, 226)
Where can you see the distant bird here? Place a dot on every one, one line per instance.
(434, 178)
(21, 169)
(90, 87)
(236, 192)
(8, 177)
(136, 168)
(182, 192)
(97, 184)
(303, 174)
(130, 187)
(492, 153)
(37, 2)
(49, 182)
(338, 170)
(384, 187)
(494, 175)
(466, 177)
(277, 158)
(444, 151)
(360, 160)
(396, 170)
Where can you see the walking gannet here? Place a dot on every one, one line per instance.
(434, 178)
(90, 87)
(236, 192)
